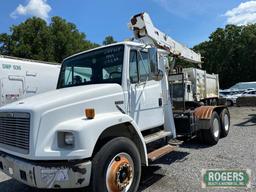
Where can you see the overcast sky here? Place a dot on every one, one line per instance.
(187, 21)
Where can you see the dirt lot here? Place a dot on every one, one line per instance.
(181, 170)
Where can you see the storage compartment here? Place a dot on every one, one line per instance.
(185, 123)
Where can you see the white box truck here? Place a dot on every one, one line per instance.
(20, 78)
(111, 103)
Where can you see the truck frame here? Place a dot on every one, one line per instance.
(110, 105)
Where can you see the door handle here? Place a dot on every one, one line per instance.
(160, 102)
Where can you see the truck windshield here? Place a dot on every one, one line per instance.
(94, 67)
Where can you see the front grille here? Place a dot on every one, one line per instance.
(14, 131)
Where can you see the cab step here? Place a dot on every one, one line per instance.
(175, 142)
(158, 153)
(156, 136)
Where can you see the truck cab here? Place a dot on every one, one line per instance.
(115, 85)
(126, 66)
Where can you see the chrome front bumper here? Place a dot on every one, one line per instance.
(47, 174)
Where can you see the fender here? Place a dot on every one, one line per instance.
(205, 112)
(87, 133)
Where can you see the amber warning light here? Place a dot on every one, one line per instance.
(90, 113)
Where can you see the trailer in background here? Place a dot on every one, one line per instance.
(194, 85)
(20, 78)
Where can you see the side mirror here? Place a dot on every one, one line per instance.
(157, 74)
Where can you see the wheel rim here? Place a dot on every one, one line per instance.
(216, 127)
(226, 122)
(120, 172)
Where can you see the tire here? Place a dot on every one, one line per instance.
(225, 122)
(118, 156)
(229, 103)
(212, 135)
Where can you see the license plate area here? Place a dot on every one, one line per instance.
(18, 170)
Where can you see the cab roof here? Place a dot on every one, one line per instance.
(130, 43)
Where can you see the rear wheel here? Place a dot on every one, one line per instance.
(212, 135)
(116, 167)
(225, 122)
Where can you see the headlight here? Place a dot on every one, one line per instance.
(69, 138)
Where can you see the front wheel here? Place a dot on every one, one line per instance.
(116, 167)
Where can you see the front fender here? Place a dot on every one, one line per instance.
(87, 133)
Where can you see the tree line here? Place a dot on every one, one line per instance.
(229, 52)
(35, 39)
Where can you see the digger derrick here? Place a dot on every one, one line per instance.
(144, 29)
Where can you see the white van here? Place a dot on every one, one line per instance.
(20, 78)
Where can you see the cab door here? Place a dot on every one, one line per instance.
(145, 94)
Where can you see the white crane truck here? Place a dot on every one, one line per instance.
(111, 103)
(21, 78)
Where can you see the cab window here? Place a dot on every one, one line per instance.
(139, 67)
(133, 69)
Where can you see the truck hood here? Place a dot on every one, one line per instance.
(51, 111)
(65, 96)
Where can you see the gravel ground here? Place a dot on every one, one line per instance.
(181, 170)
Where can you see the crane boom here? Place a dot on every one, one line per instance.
(144, 29)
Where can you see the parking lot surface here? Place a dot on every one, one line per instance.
(181, 170)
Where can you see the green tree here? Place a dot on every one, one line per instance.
(231, 52)
(108, 40)
(34, 39)
(66, 39)
(5, 44)
(30, 39)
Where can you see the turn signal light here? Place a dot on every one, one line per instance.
(90, 113)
